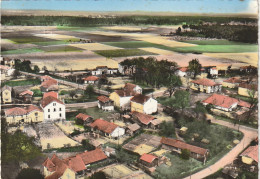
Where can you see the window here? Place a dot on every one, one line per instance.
(49, 116)
(60, 115)
(49, 110)
(36, 114)
(54, 104)
(60, 109)
(54, 109)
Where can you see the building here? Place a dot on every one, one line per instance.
(177, 145)
(106, 128)
(91, 80)
(250, 155)
(9, 62)
(53, 108)
(183, 72)
(135, 89)
(45, 78)
(205, 85)
(27, 114)
(26, 96)
(49, 85)
(84, 119)
(51, 93)
(248, 69)
(142, 119)
(105, 103)
(225, 103)
(7, 71)
(209, 72)
(6, 94)
(149, 160)
(72, 167)
(143, 104)
(132, 129)
(245, 89)
(231, 82)
(101, 70)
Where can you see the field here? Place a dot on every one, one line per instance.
(214, 42)
(22, 51)
(94, 46)
(22, 82)
(64, 48)
(123, 53)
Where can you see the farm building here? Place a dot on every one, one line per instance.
(183, 72)
(132, 129)
(225, 103)
(231, 82)
(143, 104)
(49, 85)
(7, 71)
(101, 70)
(105, 103)
(6, 94)
(142, 119)
(28, 114)
(244, 89)
(177, 146)
(84, 119)
(205, 85)
(91, 80)
(107, 128)
(250, 155)
(135, 89)
(149, 160)
(26, 96)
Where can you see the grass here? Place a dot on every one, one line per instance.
(22, 82)
(218, 49)
(123, 53)
(214, 42)
(29, 39)
(22, 51)
(82, 99)
(241, 175)
(66, 149)
(61, 49)
(232, 121)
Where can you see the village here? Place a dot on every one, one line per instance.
(145, 119)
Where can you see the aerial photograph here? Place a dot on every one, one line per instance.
(129, 89)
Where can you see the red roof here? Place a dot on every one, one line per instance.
(129, 87)
(46, 77)
(48, 83)
(103, 99)
(105, 126)
(83, 117)
(49, 165)
(148, 158)
(123, 93)
(75, 163)
(29, 92)
(2, 67)
(204, 82)
(221, 100)
(233, 80)
(92, 156)
(251, 152)
(140, 98)
(244, 104)
(143, 118)
(49, 99)
(91, 78)
(182, 145)
(51, 93)
(33, 108)
(18, 111)
(248, 86)
(183, 69)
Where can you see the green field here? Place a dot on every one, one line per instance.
(29, 39)
(51, 49)
(22, 51)
(133, 44)
(218, 49)
(46, 43)
(123, 53)
(214, 42)
(22, 82)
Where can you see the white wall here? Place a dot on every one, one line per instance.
(118, 132)
(150, 106)
(54, 115)
(181, 73)
(125, 100)
(213, 72)
(138, 89)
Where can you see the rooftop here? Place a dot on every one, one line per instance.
(143, 118)
(83, 116)
(204, 82)
(51, 93)
(105, 126)
(252, 152)
(91, 78)
(148, 158)
(140, 98)
(49, 99)
(103, 99)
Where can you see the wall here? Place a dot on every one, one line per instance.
(244, 92)
(137, 107)
(150, 106)
(54, 115)
(6, 95)
(118, 132)
(116, 98)
(229, 85)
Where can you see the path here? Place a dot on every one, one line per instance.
(249, 135)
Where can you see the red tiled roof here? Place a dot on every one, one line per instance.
(103, 99)
(251, 152)
(123, 93)
(204, 82)
(2, 67)
(60, 168)
(49, 165)
(182, 145)
(92, 156)
(49, 99)
(143, 118)
(26, 92)
(75, 163)
(129, 87)
(48, 83)
(214, 68)
(51, 93)
(148, 158)
(91, 78)
(248, 86)
(105, 126)
(139, 98)
(33, 108)
(83, 117)
(233, 80)
(15, 111)
(221, 100)
(183, 69)
(244, 104)
(46, 77)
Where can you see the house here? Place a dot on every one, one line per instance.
(231, 82)
(244, 89)
(177, 145)
(132, 129)
(26, 96)
(53, 108)
(51, 93)
(107, 128)
(91, 80)
(49, 85)
(213, 72)
(205, 85)
(121, 98)
(149, 160)
(143, 104)
(9, 62)
(142, 119)
(7, 71)
(250, 155)
(112, 71)
(6, 94)
(72, 167)
(183, 72)
(100, 70)
(155, 124)
(248, 69)
(84, 119)
(209, 71)
(27, 114)
(225, 103)
(109, 151)
(132, 88)
(45, 78)
(105, 103)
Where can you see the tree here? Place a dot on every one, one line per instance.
(30, 173)
(178, 31)
(167, 129)
(98, 175)
(181, 100)
(16, 73)
(194, 67)
(90, 91)
(253, 100)
(172, 82)
(87, 145)
(36, 69)
(185, 154)
(199, 108)
(72, 93)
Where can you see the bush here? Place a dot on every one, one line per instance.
(185, 154)
(87, 145)
(75, 132)
(30, 173)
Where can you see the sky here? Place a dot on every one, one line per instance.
(182, 6)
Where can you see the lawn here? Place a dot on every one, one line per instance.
(232, 121)
(214, 42)
(62, 48)
(82, 99)
(22, 51)
(22, 82)
(123, 53)
(218, 49)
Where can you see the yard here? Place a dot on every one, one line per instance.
(22, 82)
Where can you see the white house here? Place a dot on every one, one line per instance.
(133, 88)
(213, 72)
(111, 71)
(205, 85)
(99, 70)
(53, 109)
(143, 104)
(183, 72)
(91, 80)
(105, 103)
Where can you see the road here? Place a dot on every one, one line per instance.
(82, 105)
(249, 135)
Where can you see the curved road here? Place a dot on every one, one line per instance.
(249, 135)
